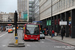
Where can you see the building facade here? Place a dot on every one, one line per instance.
(36, 10)
(5, 17)
(23, 6)
(53, 11)
(0, 17)
(31, 10)
(11, 17)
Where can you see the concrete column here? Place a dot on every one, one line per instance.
(44, 23)
(57, 23)
(54, 23)
(73, 23)
(48, 25)
(61, 17)
(51, 23)
(67, 26)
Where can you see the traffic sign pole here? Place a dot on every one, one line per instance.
(16, 44)
(15, 22)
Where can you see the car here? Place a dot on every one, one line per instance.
(13, 28)
(42, 36)
(21, 28)
(10, 31)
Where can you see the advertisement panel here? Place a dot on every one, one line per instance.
(48, 22)
(24, 16)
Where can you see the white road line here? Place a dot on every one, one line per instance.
(28, 45)
(42, 41)
(3, 34)
(3, 45)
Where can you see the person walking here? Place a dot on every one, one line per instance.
(50, 32)
(53, 33)
(43, 31)
(62, 33)
(46, 31)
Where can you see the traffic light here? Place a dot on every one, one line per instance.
(17, 27)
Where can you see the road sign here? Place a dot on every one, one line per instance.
(63, 23)
(16, 37)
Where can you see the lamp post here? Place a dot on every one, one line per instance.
(51, 18)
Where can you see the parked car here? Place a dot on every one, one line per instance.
(42, 36)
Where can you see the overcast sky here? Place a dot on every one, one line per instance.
(8, 5)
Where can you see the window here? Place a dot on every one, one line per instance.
(49, 22)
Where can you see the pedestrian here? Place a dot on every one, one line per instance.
(43, 31)
(53, 33)
(47, 31)
(1, 29)
(50, 32)
(62, 33)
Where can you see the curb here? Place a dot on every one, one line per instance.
(60, 41)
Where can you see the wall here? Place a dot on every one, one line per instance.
(5, 17)
(58, 6)
(36, 12)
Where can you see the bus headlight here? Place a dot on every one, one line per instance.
(25, 35)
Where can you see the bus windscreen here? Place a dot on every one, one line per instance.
(32, 29)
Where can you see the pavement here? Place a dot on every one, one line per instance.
(42, 44)
(68, 40)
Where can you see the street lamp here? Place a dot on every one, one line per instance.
(51, 18)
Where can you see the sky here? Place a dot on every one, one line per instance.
(8, 6)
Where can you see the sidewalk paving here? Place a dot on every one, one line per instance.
(68, 40)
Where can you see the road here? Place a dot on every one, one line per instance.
(43, 44)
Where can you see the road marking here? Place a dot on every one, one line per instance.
(3, 45)
(42, 41)
(28, 45)
(3, 34)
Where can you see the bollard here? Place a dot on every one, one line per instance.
(16, 38)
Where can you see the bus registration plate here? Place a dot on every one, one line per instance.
(31, 39)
